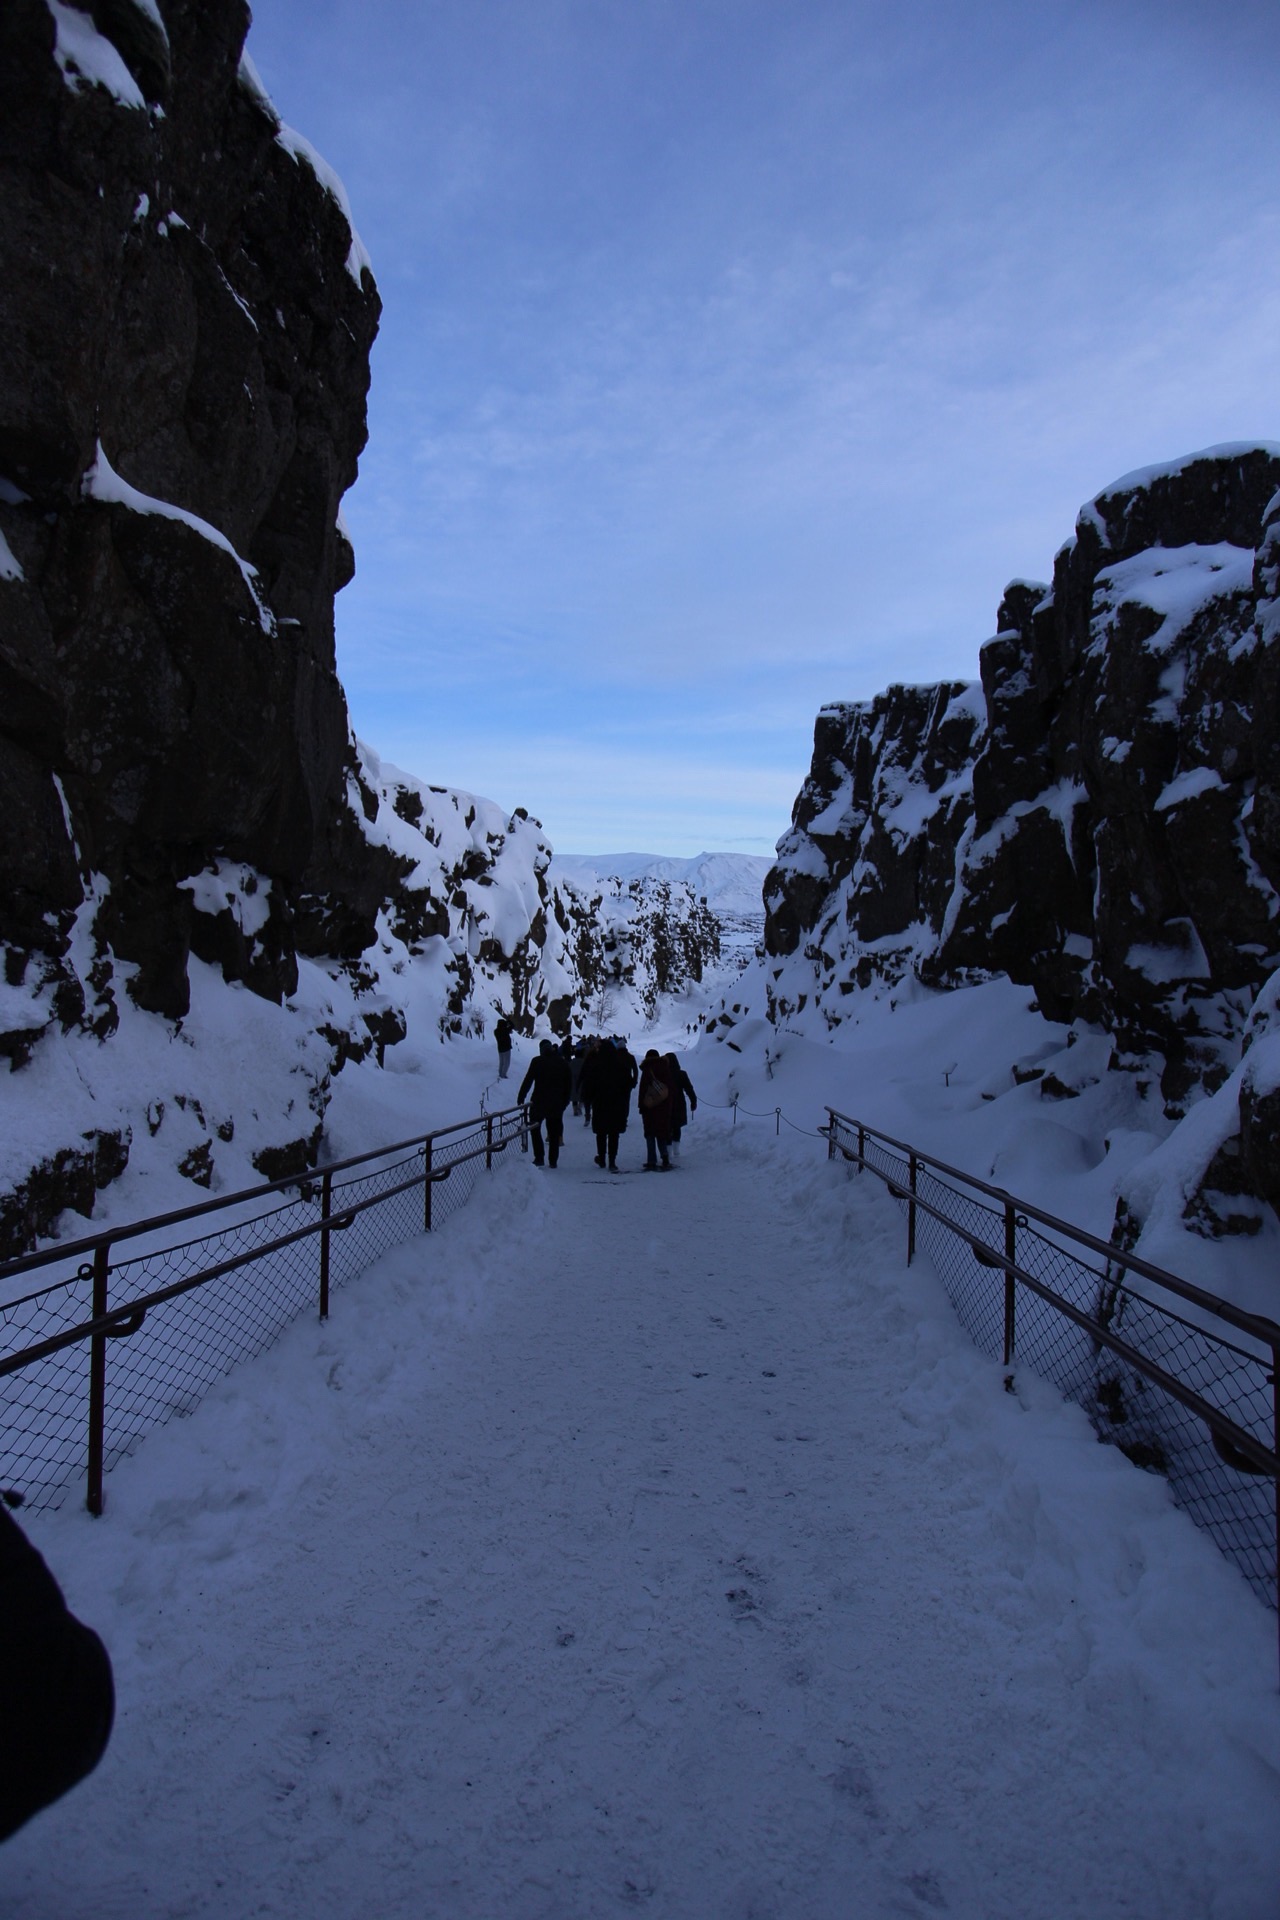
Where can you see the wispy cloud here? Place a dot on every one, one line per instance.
(735, 357)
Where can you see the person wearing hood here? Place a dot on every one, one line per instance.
(606, 1093)
(656, 1101)
(548, 1080)
(684, 1100)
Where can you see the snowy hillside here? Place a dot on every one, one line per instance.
(468, 926)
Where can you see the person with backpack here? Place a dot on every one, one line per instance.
(502, 1035)
(656, 1101)
(548, 1080)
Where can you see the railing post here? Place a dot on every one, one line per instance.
(426, 1187)
(98, 1379)
(777, 1122)
(911, 1215)
(831, 1134)
(1010, 1253)
(862, 1146)
(326, 1197)
(488, 1143)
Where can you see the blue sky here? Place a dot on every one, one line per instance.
(734, 356)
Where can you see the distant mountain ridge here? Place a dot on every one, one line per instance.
(729, 882)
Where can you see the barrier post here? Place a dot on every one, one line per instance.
(98, 1379)
(488, 1143)
(862, 1146)
(831, 1134)
(1010, 1286)
(326, 1197)
(426, 1187)
(911, 1215)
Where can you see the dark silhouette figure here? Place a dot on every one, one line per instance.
(607, 1080)
(548, 1078)
(57, 1698)
(684, 1100)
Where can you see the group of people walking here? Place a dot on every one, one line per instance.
(598, 1077)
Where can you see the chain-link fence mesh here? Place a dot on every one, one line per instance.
(236, 1286)
(1155, 1401)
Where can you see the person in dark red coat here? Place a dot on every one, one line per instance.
(57, 1697)
(656, 1100)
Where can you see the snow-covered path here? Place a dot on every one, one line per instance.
(656, 1544)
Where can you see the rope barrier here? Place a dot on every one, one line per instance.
(773, 1113)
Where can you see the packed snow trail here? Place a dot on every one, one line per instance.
(656, 1543)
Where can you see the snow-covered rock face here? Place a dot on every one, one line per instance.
(469, 926)
(865, 874)
(182, 404)
(480, 909)
(1108, 830)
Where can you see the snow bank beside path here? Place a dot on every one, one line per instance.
(660, 1543)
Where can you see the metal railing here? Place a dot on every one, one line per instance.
(1184, 1383)
(111, 1347)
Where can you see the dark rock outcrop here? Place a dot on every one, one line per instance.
(1111, 834)
(187, 317)
(182, 403)
(1117, 838)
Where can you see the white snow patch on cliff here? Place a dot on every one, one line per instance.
(102, 482)
(86, 58)
(1175, 582)
(1143, 477)
(1188, 786)
(300, 148)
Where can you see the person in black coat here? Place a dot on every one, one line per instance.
(548, 1078)
(502, 1035)
(57, 1697)
(684, 1099)
(607, 1080)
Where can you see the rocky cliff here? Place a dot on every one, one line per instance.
(1099, 818)
(187, 317)
(211, 898)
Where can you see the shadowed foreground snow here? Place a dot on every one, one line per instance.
(656, 1544)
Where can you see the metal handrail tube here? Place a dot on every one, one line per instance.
(336, 1222)
(1266, 1461)
(1268, 1331)
(71, 1249)
(986, 1254)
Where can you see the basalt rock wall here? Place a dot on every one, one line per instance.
(1107, 830)
(187, 319)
